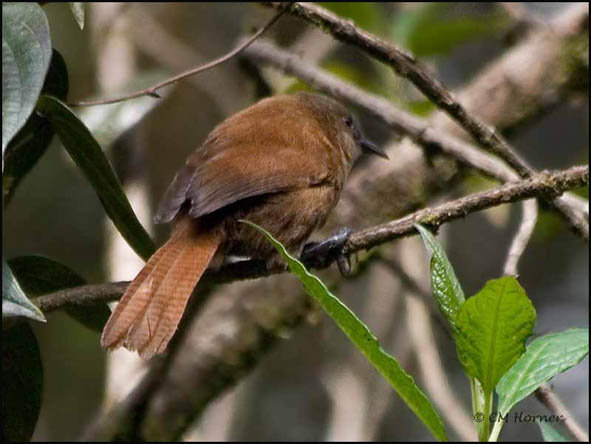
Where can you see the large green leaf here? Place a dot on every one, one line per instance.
(491, 329)
(544, 358)
(31, 142)
(550, 434)
(445, 285)
(26, 53)
(89, 157)
(39, 275)
(365, 341)
(14, 301)
(22, 382)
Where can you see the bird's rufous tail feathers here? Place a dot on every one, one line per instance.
(151, 308)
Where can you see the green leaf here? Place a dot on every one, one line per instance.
(544, 358)
(77, 9)
(444, 284)
(14, 300)
(550, 434)
(31, 142)
(57, 82)
(22, 383)
(39, 275)
(436, 28)
(89, 157)
(364, 340)
(26, 53)
(491, 329)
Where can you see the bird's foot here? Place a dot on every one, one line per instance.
(321, 254)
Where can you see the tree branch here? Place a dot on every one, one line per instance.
(152, 90)
(545, 184)
(408, 67)
(529, 217)
(547, 397)
(432, 371)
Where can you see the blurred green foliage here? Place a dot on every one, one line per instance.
(430, 29)
(367, 15)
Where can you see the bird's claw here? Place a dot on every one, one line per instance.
(321, 254)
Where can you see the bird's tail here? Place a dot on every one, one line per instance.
(151, 308)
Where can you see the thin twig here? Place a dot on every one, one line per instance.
(432, 372)
(529, 217)
(581, 205)
(412, 286)
(578, 221)
(152, 90)
(419, 332)
(408, 67)
(547, 184)
(547, 397)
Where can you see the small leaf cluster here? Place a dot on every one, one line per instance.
(489, 329)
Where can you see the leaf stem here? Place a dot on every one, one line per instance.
(496, 431)
(483, 436)
(476, 403)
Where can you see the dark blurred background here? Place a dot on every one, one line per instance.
(294, 392)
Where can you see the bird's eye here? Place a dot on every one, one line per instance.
(348, 121)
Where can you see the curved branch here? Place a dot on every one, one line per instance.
(529, 217)
(547, 397)
(545, 184)
(151, 91)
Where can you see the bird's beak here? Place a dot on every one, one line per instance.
(371, 148)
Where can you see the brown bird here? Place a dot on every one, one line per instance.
(281, 164)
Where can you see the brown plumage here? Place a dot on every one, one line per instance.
(280, 163)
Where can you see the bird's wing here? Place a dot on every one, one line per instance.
(240, 161)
